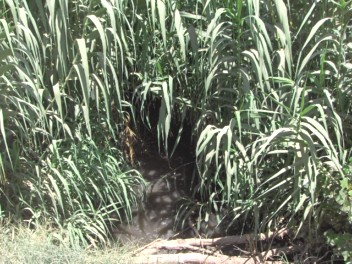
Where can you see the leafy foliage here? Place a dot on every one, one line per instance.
(61, 71)
(340, 203)
(264, 87)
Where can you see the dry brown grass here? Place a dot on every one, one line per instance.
(23, 245)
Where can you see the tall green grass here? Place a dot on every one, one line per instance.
(63, 70)
(264, 85)
(270, 126)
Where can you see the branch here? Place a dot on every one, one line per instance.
(190, 243)
(194, 258)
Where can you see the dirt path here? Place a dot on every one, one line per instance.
(156, 216)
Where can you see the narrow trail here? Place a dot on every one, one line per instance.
(155, 218)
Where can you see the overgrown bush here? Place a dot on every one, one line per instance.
(62, 117)
(339, 214)
(265, 86)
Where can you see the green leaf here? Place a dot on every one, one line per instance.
(162, 19)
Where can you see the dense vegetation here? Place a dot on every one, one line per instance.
(262, 88)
